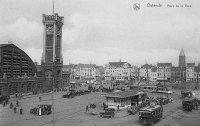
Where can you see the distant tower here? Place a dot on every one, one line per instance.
(182, 59)
(52, 61)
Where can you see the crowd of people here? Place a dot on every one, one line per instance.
(13, 106)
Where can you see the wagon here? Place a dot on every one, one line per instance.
(108, 113)
(132, 110)
(41, 110)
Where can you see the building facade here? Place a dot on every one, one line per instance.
(117, 71)
(153, 74)
(65, 78)
(87, 71)
(192, 72)
(83, 71)
(178, 74)
(14, 62)
(52, 61)
(134, 73)
(164, 71)
(145, 71)
(24, 85)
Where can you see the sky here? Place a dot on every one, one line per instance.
(102, 31)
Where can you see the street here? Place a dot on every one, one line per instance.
(71, 112)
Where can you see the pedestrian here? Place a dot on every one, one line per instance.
(87, 109)
(17, 103)
(104, 106)
(4, 103)
(40, 99)
(21, 111)
(118, 108)
(11, 105)
(15, 109)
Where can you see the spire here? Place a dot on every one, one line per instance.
(182, 53)
(53, 7)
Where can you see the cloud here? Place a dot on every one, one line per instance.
(23, 33)
(103, 31)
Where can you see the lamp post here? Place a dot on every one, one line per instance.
(52, 95)
(164, 75)
(197, 77)
(53, 101)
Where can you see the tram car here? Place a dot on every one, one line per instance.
(150, 114)
(165, 90)
(189, 104)
(41, 110)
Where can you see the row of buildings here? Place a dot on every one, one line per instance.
(19, 73)
(184, 72)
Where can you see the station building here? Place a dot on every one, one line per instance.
(14, 62)
(18, 73)
(124, 98)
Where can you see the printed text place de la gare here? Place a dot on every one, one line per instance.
(154, 5)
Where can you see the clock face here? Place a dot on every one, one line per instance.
(49, 29)
(48, 73)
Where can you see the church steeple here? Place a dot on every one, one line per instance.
(182, 58)
(182, 53)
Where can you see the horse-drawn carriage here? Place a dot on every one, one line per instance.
(70, 95)
(41, 110)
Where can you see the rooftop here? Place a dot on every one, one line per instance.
(124, 94)
(164, 64)
(147, 66)
(86, 66)
(1, 45)
(150, 108)
(118, 64)
(154, 69)
(190, 64)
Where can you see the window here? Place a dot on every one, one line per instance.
(29, 87)
(10, 89)
(1, 90)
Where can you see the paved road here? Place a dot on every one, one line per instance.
(71, 112)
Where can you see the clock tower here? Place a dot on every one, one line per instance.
(52, 61)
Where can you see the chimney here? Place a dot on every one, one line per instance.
(9, 42)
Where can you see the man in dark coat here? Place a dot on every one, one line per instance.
(21, 111)
(15, 109)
